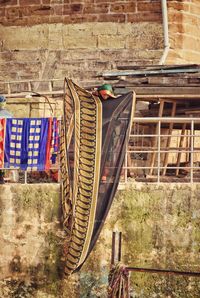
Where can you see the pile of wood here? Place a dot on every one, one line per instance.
(162, 91)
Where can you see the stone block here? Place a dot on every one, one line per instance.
(175, 17)
(123, 7)
(190, 56)
(56, 32)
(104, 28)
(144, 17)
(175, 5)
(188, 42)
(79, 42)
(96, 8)
(114, 17)
(195, 9)
(79, 18)
(144, 41)
(79, 54)
(24, 2)
(124, 29)
(19, 110)
(2, 12)
(16, 38)
(72, 8)
(191, 30)
(114, 42)
(11, 2)
(150, 6)
(80, 30)
(57, 10)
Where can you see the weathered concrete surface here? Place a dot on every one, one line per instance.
(161, 229)
(30, 239)
(160, 226)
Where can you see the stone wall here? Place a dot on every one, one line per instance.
(184, 25)
(32, 12)
(160, 227)
(35, 107)
(80, 39)
(77, 39)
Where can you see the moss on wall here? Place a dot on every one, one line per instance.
(160, 227)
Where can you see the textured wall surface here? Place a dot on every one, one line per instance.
(78, 39)
(184, 25)
(41, 39)
(160, 228)
(34, 107)
(22, 12)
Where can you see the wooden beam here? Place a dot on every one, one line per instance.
(180, 147)
(155, 140)
(166, 155)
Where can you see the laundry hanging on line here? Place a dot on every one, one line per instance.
(29, 143)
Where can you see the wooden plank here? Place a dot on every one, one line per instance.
(158, 66)
(180, 147)
(166, 155)
(148, 72)
(161, 90)
(155, 141)
(158, 82)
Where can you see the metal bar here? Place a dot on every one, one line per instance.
(192, 152)
(156, 97)
(149, 72)
(23, 94)
(50, 86)
(25, 177)
(184, 167)
(9, 89)
(113, 249)
(126, 165)
(163, 271)
(159, 157)
(170, 129)
(166, 119)
(182, 137)
(154, 142)
(120, 247)
(165, 31)
(116, 247)
(29, 86)
(163, 151)
(174, 135)
(33, 81)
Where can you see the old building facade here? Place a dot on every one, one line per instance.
(45, 39)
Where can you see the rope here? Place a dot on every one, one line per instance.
(118, 282)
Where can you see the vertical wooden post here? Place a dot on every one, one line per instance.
(155, 140)
(170, 129)
(182, 137)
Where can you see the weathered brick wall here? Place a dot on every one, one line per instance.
(184, 24)
(23, 12)
(79, 39)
